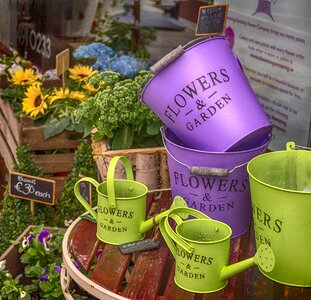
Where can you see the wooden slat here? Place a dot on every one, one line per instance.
(35, 138)
(6, 153)
(11, 121)
(84, 243)
(54, 163)
(291, 293)
(145, 280)
(111, 268)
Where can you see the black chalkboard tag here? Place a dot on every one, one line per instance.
(86, 191)
(32, 188)
(139, 246)
(211, 19)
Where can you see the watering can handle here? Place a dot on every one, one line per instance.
(169, 234)
(110, 177)
(81, 199)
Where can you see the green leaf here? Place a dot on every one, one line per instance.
(55, 126)
(123, 138)
(88, 128)
(154, 127)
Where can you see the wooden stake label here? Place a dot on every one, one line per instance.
(32, 188)
(212, 19)
(62, 62)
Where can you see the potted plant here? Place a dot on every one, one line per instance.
(31, 266)
(124, 125)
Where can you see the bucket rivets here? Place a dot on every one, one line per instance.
(131, 188)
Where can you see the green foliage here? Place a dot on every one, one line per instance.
(118, 114)
(16, 213)
(119, 36)
(69, 207)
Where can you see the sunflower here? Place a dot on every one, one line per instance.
(80, 73)
(63, 94)
(76, 95)
(25, 77)
(34, 102)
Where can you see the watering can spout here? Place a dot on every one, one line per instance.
(148, 224)
(264, 259)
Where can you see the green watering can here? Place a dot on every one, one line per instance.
(280, 185)
(201, 251)
(121, 210)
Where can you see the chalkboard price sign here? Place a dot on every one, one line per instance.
(211, 19)
(32, 188)
(86, 191)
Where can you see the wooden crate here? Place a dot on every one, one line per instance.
(15, 132)
(149, 164)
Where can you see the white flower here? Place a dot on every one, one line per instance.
(14, 68)
(3, 67)
(50, 74)
(2, 265)
(68, 223)
(23, 294)
(25, 242)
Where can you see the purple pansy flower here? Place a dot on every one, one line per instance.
(57, 269)
(77, 265)
(43, 235)
(43, 278)
(99, 253)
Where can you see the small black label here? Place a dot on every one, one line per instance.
(211, 19)
(139, 246)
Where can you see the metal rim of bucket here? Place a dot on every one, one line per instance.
(124, 180)
(207, 171)
(205, 242)
(267, 184)
(212, 152)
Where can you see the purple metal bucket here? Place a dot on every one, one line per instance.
(215, 183)
(202, 94)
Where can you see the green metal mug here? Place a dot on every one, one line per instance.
(121, 209)
(201, 248)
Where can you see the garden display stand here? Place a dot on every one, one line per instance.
(149, 275)
(15, 132)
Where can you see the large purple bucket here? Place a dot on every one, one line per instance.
(202, 94)
(215, 183)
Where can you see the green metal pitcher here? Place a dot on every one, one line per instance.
(201, 248)
(121, 210)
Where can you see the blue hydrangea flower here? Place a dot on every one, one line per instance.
(127, 65)
(94, 50)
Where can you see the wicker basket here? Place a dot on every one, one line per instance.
(149, 164)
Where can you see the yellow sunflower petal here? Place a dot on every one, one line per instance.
(80, 73)
(34, 101)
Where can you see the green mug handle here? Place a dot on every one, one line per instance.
(110, 177)
(170, 235)
(87, 206)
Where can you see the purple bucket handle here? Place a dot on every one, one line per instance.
(203, 171)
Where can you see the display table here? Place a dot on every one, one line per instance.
(150, 274)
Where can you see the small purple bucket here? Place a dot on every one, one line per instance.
(202, 94)
(215, 183)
